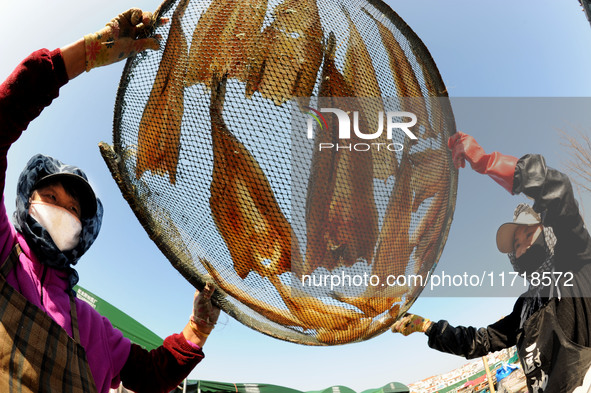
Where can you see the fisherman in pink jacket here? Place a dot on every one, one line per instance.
(51, 341)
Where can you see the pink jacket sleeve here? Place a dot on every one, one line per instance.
(161, 369)
(32, 86)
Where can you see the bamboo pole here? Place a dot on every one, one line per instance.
(488, 375)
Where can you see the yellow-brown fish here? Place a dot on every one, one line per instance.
(160, 127)
(373, 303)
(354, 331)
(360, 73)
(430, 175)
(243, 204)
(288, 53)
(312, 312)
(394, 248)
(275, 314)
(341, 216)
(223, 40)
(407, 84)
(427, 236)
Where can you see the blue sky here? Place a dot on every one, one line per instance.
(482, 49)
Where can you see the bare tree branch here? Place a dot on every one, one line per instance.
(578, 147)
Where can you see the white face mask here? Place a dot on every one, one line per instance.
(63, 226)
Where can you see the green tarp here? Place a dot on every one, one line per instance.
(223, 387)
(335, 389)
(392, 387)
(141, 335)
(226, 387)
(132, 329)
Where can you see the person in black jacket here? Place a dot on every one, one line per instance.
(551, 322)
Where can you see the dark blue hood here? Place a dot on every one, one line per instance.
(37, 237)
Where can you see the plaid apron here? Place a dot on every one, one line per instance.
(36, 354)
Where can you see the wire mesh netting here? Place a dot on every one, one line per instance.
(247, 148)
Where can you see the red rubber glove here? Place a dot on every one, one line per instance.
(499, 167)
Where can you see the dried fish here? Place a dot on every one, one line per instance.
(427, 236)
(160, 127)
(321, 185)
(394, 312)
(224, 40)
(280, 316)
(429, 176)
(243, 205)
(360, 73)
(341, 216)
(288, 53)
(440, 108)
(384, 322)
(359, 70)
(353, 218)
(322, 179)
(377, 303)
(313, 312)
(394, 248)
(407, 84)
(366, 328)
(353, 331)
(429, 75)
(333, 84)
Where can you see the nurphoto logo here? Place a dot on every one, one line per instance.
(395, 121)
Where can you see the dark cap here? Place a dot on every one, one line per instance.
(80, 186)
